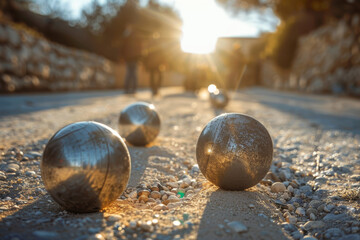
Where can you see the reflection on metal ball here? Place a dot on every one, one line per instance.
(234, 151)
(218, 97)
(85, 166)
(139, 123)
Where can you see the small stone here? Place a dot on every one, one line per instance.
(278, 187)
(315, 203)
(290, 207)
(132, 224)
(94, 230)
(45, 234)
(154, 188)
(237, 227)
(133, 194)
(173, 199)
(312, 217)
(309, 237)
(143, 198)
(144, 192)
(155, 195)
(147, 227)
(300, 211)
(194, 169)
(328, 208)
(12, 168)
(333, 217)
(30, 173)
(290, 189)
(271, 176)
(311, 210)
(296, 235)
(288, 227)
(172, 184)
(113, 218)
(2, 176)
(333, 233)
(291, 219)
(160, 207)
(313, 225)
(251, 206)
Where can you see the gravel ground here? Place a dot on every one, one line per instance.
(311, 191)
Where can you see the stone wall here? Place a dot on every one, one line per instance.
(30, 62)
(327, 61)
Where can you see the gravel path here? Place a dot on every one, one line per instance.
(311, 192)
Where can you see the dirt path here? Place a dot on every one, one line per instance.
(316, 156)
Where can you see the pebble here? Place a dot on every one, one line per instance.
(251, 206)
(309, 237)
(333, 233)
(2, 176)
(172, 184)
(147, 227)
(278, 187)
(288, 227)
(113, 218)
(172, 199)
(30, 173)
(12, 168)
(312, 216)
(133, 194)
(300, 211)
(313, 225)
(45, 234)
(144, 193)
(333, 217)
(155, 195)
(291, 219)
(237, 227)
(160, 207)
(132, 224)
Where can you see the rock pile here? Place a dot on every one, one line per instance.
(327, 61)
(29, 62)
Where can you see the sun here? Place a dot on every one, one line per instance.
(198, 40)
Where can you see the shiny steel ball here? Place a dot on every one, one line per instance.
(218, 97)
(85, 166)
(234, 151)
(139, 123)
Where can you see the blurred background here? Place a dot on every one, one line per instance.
(62, 45)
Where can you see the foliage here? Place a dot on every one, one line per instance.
(298, 17)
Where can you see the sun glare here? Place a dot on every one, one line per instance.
(198, 41)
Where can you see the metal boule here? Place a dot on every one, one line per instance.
(218, 97)
(85, 166)
(139, 123)
(234, 151)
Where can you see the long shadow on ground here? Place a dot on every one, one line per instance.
(328, 112)
(227, 206)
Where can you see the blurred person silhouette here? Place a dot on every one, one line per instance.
(154, 61)
(131, 53)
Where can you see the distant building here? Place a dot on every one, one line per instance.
(229, 43)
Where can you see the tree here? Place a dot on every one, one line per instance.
(298, 17)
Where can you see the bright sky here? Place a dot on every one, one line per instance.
(203, 22)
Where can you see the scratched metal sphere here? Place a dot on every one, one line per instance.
(219, 98)
(85, 166)
(234, 151)
(139, 123)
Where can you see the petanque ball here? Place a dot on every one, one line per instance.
(85, 166)
(139, 123)
(234, 151)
